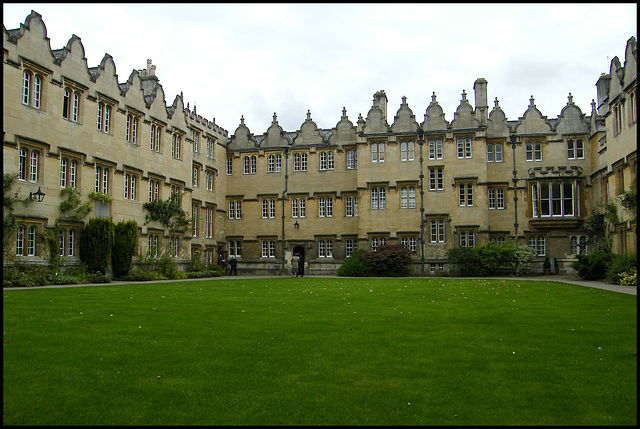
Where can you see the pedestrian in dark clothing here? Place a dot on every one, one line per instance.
(233, 263)
(301, 267)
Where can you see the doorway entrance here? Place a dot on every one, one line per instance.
(300, 251)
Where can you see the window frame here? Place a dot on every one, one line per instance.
(131, 180)
(176, 143)
(465, 194)
(69, 171)
(378, 198)
(436, 178)
(30, 158)
(32, 87)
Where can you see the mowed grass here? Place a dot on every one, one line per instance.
(311, 351)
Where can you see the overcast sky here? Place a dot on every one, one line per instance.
(256, 59)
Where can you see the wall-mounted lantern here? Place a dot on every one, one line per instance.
(37, 196)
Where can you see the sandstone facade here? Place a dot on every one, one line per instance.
(357, 185)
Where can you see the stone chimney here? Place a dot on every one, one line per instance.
(480, 88)
(380, 100)
(603, 85)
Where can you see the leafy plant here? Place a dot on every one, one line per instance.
(355, 266)
(594, 265)
(74, 204)
(168, 212)
(630, 201)
(99, 196)
(629, 278)
(485, 260)
(620, 266)
(51, 236)
(9, 224)
(162, 264)
(390, 260)
(597, 227)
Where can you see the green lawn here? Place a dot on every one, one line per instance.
(310, 351)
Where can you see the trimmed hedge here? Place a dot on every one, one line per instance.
(96, 242)
(125, 239)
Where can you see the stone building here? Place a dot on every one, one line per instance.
(427, 183)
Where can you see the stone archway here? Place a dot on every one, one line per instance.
(300, 251)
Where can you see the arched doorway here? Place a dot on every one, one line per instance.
(300, 251)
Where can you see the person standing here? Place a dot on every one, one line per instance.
(234, 264)
(301, 267)
(222, 262)
(295, 264)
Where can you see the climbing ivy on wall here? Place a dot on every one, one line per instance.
(168, 212)
(73, 204)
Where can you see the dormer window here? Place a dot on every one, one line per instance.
(103, 120)
(156, 136)
(71, 104)
(131, 132)
(32, 89)
(176, 141)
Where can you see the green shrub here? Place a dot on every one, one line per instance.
(594, 265)
(629, 278)
(51, 237)
(99, 278)
(621, 264)
(485, 260)
(24, 275)
(206, 273)
(96, 242)
(163, 264)
(355, 266)
(138, 275)
(390, 260)
(464, 261)
(125, 239)
(13, 277)
(64, 279)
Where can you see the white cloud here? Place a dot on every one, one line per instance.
(257, 59)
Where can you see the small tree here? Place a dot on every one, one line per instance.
(355, 266)
(124, 244)
(597, 227)
(96, 242)
(390, 260)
